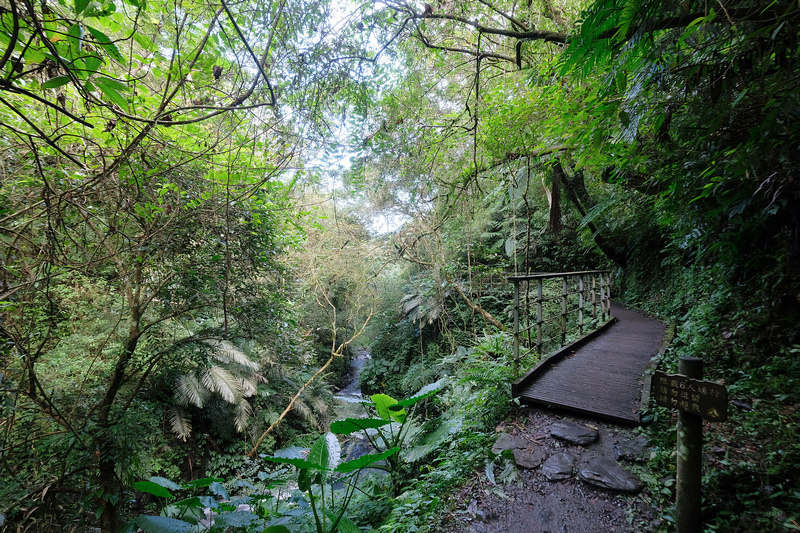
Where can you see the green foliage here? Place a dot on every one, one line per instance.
(391, 429)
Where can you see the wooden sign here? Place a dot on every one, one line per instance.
(704, 398)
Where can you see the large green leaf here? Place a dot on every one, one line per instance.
(365, 460)
(350, 425)
(383, 404)
(299, 463)
(204, 482)
(424, 392)
(75, 39)
(166, 483)
(162, 524)
(325, 452)
(111, 89)
(152, 488)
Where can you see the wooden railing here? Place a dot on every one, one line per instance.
(556, 305)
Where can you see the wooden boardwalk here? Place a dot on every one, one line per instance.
(600, 376)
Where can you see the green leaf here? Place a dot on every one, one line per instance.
(145, 42)
(75, 33)
(382, 403)
(425, 392)
(164, 482)
(345, 525)
(80, 5)
(107, 86)
(304, 480)
(299, 463)
(112, 84)
(162, 524)
(204, 482)
(365, 460)
(351, 425)
(219, 489)
(276, 529)
(325, 452)
(92, 64)
(152, 488)
(58, 81)
(107, 44)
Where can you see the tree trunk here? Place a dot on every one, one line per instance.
(619, 257)
(110, 485)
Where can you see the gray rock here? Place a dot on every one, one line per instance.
(631, 449)
(574, 433)
(530, 457)
(508, 442)
(559, 466)
(526, 454)
(608, 474)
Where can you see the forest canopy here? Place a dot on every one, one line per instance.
(190, 190)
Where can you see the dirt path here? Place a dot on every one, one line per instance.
(533, 504)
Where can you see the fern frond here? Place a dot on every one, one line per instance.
(191, 391)
(248, 386)
(305, 413)
(242, 415)
(222, 382)
(319, 405)
(227, 353)
(179, 422)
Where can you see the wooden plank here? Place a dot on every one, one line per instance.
(602, 377)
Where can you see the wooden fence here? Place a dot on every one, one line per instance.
(549, 308)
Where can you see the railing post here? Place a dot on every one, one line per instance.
(539, 319)
(564, 310)
(580, 305)
(516, 328)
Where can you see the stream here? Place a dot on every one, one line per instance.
(352, 392)
(348, 405)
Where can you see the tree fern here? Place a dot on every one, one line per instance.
(232, 376)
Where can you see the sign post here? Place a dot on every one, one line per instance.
(695, 400)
